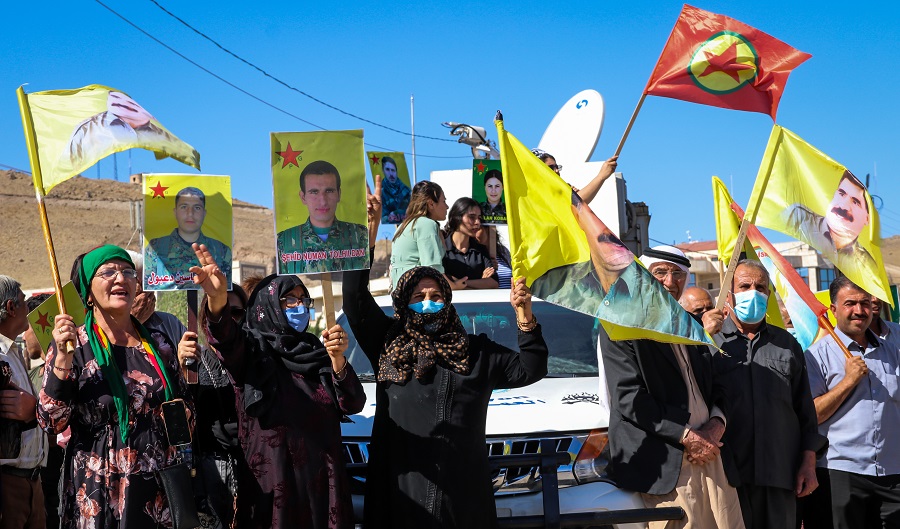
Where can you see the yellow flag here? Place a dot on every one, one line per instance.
(803, 193)
(68, 131)
(570, 258)
(42, 319)
(727, 227)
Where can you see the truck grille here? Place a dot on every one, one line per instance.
(506, 480)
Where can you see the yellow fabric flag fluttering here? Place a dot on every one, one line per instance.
(727, 227)
(570, 258)
(68, 131)
(803, 193)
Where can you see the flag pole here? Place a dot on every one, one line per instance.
(825, 324)
(630, 123)
(732, 265)
(35, 161)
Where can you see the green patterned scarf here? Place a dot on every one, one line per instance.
(101, 346)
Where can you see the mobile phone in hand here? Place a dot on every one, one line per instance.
(174, 413)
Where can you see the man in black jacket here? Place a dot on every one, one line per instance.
(665, 431)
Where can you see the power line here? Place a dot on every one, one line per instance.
(239, 89)
(285, 84)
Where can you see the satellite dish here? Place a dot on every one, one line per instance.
(572, 135)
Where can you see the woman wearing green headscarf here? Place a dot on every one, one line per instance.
(109, 392)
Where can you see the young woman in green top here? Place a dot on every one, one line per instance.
(418, 240)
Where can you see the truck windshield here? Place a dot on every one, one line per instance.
(571, 336)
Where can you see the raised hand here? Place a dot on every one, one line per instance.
(373, 208)
(335, 340)
(210, 278)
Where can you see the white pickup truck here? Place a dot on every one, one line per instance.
(569, 405)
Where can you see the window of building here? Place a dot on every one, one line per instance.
(826, 276)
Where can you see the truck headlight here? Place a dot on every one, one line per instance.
(590, 463)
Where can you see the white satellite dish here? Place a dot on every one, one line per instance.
(573, 134)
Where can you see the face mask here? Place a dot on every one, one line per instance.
(750, 306)
(697, 317)
(427, 306)
(298, 317)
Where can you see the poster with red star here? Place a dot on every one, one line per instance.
(180, 210)
(319, 182)
(487, 190)
(395, 184)
(716, 60)
(43, 317)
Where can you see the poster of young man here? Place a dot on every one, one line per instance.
(487, 190)
(395, 184)
(180, 210)
(319, 180)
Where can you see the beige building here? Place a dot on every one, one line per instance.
(706, 267)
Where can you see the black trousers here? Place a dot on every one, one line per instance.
(767, 507)
(859, 501)
(814, 511)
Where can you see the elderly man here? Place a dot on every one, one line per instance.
(664, 430)
(21, 494)
(772, 421)
(323, 243)
(697, 301)
(857, 405)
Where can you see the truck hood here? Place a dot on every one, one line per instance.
(550, 405)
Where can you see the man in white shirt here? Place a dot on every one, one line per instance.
(21, 495)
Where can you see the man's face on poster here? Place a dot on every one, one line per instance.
(189, 213)
(847, 214)
(390, 172)
(607, 250)
(321, 198)
(127, 109)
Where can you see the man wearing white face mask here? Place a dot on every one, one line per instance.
(772, 420)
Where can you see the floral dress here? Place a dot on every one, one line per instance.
(108, 483)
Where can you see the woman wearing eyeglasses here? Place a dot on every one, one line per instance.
(109, 391)
(466, 257)
(292, 391)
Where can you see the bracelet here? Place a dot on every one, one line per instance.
(339, 374)
(529, 325)
(63, 369)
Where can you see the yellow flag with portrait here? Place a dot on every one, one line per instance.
(803, 193)
(68, 131)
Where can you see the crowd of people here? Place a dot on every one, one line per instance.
(753, 432)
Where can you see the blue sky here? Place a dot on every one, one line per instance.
(463, 61)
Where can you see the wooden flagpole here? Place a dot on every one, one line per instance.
(35, 161)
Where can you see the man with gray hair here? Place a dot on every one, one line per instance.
(21, 494)
(772, 420)
(168, 259)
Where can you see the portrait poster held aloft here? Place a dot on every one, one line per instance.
(180, 210)
(319, 181)
(487, 190)
(395, 184)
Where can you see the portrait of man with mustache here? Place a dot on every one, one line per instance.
(836, 234)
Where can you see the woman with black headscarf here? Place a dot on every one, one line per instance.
(293, 391)
(428, 462)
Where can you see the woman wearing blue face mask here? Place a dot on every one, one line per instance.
(292, 392)
(428, 462)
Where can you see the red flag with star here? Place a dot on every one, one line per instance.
(716, 60)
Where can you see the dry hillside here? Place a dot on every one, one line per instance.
(85, 213)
